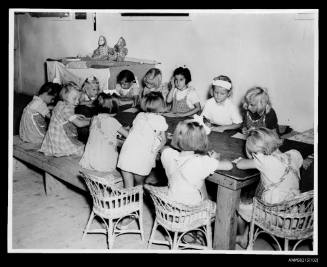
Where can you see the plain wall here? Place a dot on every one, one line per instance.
(270, 50)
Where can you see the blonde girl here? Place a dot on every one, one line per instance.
(219, 111)
(100, 153)
(61, 137)
(145, 139)
(279, 173)
(90, 90)
(182, 97)
(152, 82)
(258, 111)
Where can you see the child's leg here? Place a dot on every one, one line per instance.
(243, 228)
(139, 179)
(128, 178)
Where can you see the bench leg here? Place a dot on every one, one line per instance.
(53, 186)
(18, 166)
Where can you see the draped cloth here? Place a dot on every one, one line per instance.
(59, 73)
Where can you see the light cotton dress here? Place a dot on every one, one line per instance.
(139, 151)
(61, 137)
(101, 149)
(280, 176)
(32, 127)
(186, 173)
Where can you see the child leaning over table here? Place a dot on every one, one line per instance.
(188, 163)
(61, 137)
(279, 174)
(220, 110)
(34, 121)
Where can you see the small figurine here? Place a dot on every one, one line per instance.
(103, 51)
(121, 49)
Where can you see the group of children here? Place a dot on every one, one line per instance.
(187, 160)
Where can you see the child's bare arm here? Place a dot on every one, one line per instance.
(123, 132)
(171, 92)
(245, 164)
(225, 165)
(81, 121)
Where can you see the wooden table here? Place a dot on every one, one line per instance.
(230, 182)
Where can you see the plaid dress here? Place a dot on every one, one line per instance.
(33, 126)
(61, 137)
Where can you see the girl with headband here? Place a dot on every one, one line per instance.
(219, 110)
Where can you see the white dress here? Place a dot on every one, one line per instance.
(101, 149)
(186, 173)
(225, 113)
(139, 151)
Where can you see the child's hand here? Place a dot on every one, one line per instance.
(244, 130)
(219, 129)
(214, 154)
(172, 83)
(237, 160)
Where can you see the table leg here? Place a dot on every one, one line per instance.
(226, 218)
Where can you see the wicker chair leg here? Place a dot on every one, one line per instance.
(209, 236)
(286, 244)
(110, 234)
(88, 224)
(154, 228)
(251, 241)
(175, 243)
(141, 224)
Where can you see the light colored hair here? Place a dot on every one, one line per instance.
(92, 80)
(67, 89)
(189, 135)
(259, 96)
(262, 140)
(153, 102)
(153, 77)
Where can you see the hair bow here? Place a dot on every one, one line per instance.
(199, 119)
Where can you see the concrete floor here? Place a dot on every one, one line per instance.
(42, 223)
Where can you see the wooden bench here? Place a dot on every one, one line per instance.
(58, 171)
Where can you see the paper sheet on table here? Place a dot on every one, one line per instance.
(239, 136)
(131, 110)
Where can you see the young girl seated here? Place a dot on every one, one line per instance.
(146, 137)
(103, 51)
(61, 137)
(120, 49)
(219, 110)
(184, 99)
(34, 121)
(258, 111)
(128, 88)
(101, 149)
(188, 163)
(152, 82)
(279, 173)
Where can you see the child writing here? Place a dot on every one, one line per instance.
(258, 111)
(220, 110)
(103, 51)
(152, 82)
(34, 121)
(146, 137)
(184, 99)
(128, 88)
(100, 153)
(61, 137)
(279, 173)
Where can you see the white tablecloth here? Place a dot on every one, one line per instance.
(57, 72)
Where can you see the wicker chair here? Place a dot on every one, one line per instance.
(112, 203)
(178, 219)
(289, 220)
